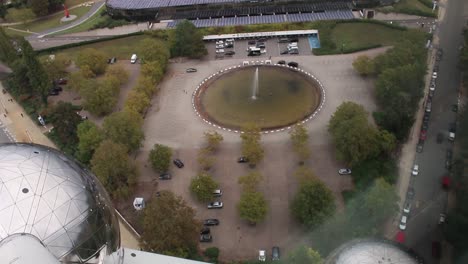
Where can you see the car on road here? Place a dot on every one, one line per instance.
(434, 75)
(420, 147)
(426, 116)
(230, 53)
(344, 171)
(415, 170)
(215, 205)
(281, 62)
(206, 238)
(440, 138)
(432, 87)
(403, 221)
(439, 54)
(133, 59)
(442, 218)
(211, 222)
(262, 255)
(242, 159)
(220, 51)
(428, 106)
(217, 193)
(165, 176)
(455, 108)
(407, 207)
(446, 182)
(275, 253)
(205, 230)
(178, 163)
(448, 159)
(191, 70)
(410, 193)
(423, 135)
(293, 64)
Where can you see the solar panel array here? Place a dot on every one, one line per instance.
(149, 4)
(268, 19)
(265, 10)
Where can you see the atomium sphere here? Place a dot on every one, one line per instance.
(371, 250)
(47, 195)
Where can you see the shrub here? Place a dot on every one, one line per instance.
(160, 157)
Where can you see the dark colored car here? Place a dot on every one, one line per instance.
(112, 60)
(281, 62)
(228, 45)
(191, 70)
(242, 160)
(62, 81)
(284, 52)
(205, 231)
(448, 159)
(58, 88)
(425, 126)
(293, 64)
(229, 53)
(211, 222)
(440, 138)
(436, 249)
(294, 51)
(410, 193)
(252, 42)
(178, 163)
(53, 92)
(455, 108)
(275, 253)
(420, 146)
(261, 39)
(165, 176)
(293, 40)
(423, 135)
(452, 127)
(206, 238)
(426, 116)
(260, 45)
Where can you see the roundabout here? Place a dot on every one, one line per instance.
(274, 97)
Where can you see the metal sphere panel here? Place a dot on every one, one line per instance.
(48, 195)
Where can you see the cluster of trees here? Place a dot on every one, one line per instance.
(400, 84)
(160, 158)
(28, 9)
(300, 142)
(252, 206)
(252, 148)
(203, 185)
(187, 41)
(464, 58)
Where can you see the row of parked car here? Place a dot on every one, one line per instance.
(221, 45)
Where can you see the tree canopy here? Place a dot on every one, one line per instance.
(203, 186)
(313, 203)
(37, 76)
(90, 137)
(252, 206)
(354, 138)
(250, 181)
(300, 141)
(151, 49)
(364, 65)
(304, 255)
(187, 41)
(251, 146)
(125, 128)
(65, 121)
(114, 169)
(160, 157)
(169, 212)
(94, 59)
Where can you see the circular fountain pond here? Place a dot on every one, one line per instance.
(270, 96)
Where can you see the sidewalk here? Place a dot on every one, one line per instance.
(22, 128)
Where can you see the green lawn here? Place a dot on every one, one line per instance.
(121, 48)
(358, 35)
(53, 21)
(85, 26)
(412, 7)
(412, 4)
(14, 33)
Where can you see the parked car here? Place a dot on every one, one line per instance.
(275, 253)
(446, 182)
(455, 108)
(428, 106)
(229, 45)
(211, 222)
(426, 116)
(112, 60)
(262, 255)
(230, 53)
(432, 87)
(178, 163)
(260, 45)
(293, 51)
(410, 193)
(215, 205)
(191, 70)
(440, 138)
(423, 135)
(217, 193)
(344, 171)
(420, 147)
(282, 62)
(251, 42)
(284, 52)
(242, 160)
(415, 170)
(293, 64)
(403, 221)
(204, 231)
(133, 59)
(165, 176)
(434, 75)
(442, 218)
(448, 159)
(219, 42)
(61, 81)
(407, 207)
(220, 51)
(220, 46)
(206, 238)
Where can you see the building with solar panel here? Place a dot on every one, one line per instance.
(270, 11)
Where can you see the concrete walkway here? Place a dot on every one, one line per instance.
(23, 129)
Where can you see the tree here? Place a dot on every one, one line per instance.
(187, 41)
(364, 65)
(81, 82)
(38, 79)
(39, 7)
(118, 73)
(114, 169)
(137, 101)
(203, 186)
(354, 138)
(92, 58)
(154, 50)
(252, 207)
(125, 128)
(152, 71)
(56, 68)
(102, 99)
(304, 255)
(169, 226)
(65, 121)
(160, 158)
(251, 146)
(205, 159)
(313, 203)
(250, 181)
(213, 139)
(300, 140)
(7, 51)
(145, 84)
(90, 137)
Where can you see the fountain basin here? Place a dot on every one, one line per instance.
(283, 96)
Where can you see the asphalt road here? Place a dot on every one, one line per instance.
(430, 199)
(3, 136)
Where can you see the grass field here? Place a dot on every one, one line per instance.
(412, 4)
(412, 7)
(14, 33)
(85, 26)
(120, 48)
(357, 35)
(53, 21)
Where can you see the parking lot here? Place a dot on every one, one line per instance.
(273, 48)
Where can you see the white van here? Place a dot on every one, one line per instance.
(133, 59)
